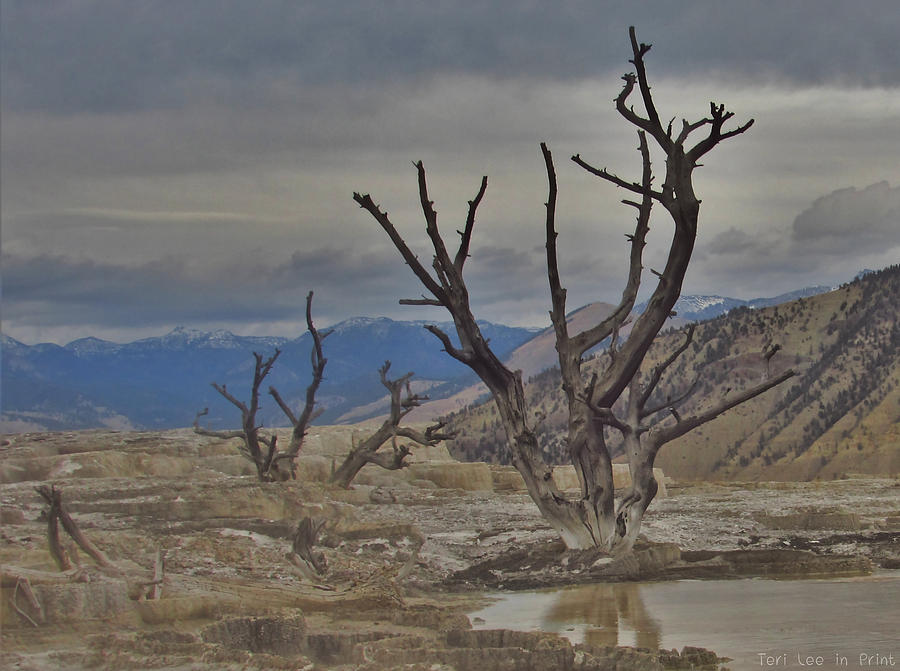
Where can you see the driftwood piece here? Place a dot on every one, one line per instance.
(305, 539)
(25, 586)
(57, 551)
(58, 512)
(159, 568)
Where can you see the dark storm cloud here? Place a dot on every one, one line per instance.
(112, 56)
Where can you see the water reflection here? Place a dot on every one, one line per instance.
(835, 619)
(606, 613)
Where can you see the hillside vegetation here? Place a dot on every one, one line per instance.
(840, 415)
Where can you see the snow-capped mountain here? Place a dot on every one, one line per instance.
(703, 307)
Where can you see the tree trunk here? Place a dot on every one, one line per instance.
(348, 470)
(639, 496)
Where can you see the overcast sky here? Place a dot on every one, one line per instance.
(193, 162)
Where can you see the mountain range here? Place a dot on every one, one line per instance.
(161, 382)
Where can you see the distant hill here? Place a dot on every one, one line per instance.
(841, 415)
(161, 382)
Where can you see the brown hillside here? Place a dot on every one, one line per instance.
(840, 415)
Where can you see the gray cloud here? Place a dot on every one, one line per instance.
(866, 220)
(828, 243)
(112, 56)
(168, 162)
(734, 241)
(51, 290)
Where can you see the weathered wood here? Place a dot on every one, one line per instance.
(305, 539)
(309, 412)
(57, 551)
(643, 439)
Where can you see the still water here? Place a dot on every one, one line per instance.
(851, 623)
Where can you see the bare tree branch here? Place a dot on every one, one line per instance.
(658, 371)
(654, 127)
(718, 117)
(250, 431)
(456, 353)
(309, 412)
(463, 252)
(660, 437)
(672, 403)
(442, 263)
(603, 173)
(593, 336)
(557, 292)
(223, 390)
(25, 586)
(412, 261)
(270, 463)
(420, 301)
(225, 435)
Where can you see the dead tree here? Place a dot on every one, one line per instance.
(367, 452)
(272, 465)
(590, 519)
(644, 432)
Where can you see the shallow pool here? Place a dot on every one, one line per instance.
(849, 623)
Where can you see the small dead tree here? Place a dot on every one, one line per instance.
(272, 464)
(367, 452)
(255, 447)
(590, 519)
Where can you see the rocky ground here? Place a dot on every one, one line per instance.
(407, 556)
